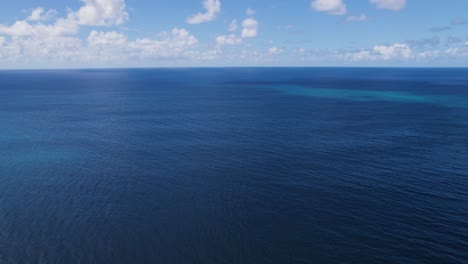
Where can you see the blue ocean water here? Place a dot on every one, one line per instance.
(242, 165)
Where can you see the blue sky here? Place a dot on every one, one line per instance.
(184, 33)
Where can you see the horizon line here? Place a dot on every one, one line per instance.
(233, 67)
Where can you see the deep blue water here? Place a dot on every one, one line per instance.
(318, 165)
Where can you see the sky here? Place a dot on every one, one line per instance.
(211, 33)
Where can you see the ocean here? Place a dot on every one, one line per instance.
(234, 165)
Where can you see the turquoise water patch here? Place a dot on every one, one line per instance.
(367, 95)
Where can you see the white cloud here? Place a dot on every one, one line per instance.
(106, 39)
(35, 43)
(466, 43)
(171, 45)
(114, 47)
(361, 18)
(92, 13)
(212, 9)
(42, 49)
(394, 5)
(396, 51)
(39, 14)
(250, 12)
(228, 40)
(457, 52)
(19, 28)
(249, 28)
(203, 55)
(274, 51)
(360, 55)
(233, 26)
(22, 28)
(332, 7)
(102, 13)
(429, 54)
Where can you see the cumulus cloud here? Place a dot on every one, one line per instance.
(394, 5)
(395, 51)
(92, 13)
(102, 13)
(361, 18)
(332, 7)
(249, 27)
(171, 45)
(106, 39)
(39, 14)
(115, 47)
(32, 42)
(22, 28)
(212, 9)
(228, 40)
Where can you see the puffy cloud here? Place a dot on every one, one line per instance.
(102, 13)
(466, 43)
(233, 26)
(228, 40)
(361, 18)
(394, 5)
(395, 51)
(212, 9)
(333, 7)
(274, 51)
(106, 39)
(92, 13)
(171, 45)
(358, 55)
(22, 28)
(249, 27)
(19, 28)
(35, 49)
(33, 41)
(39, 14)
(114, 47)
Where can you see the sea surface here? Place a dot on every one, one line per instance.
(234, 165)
